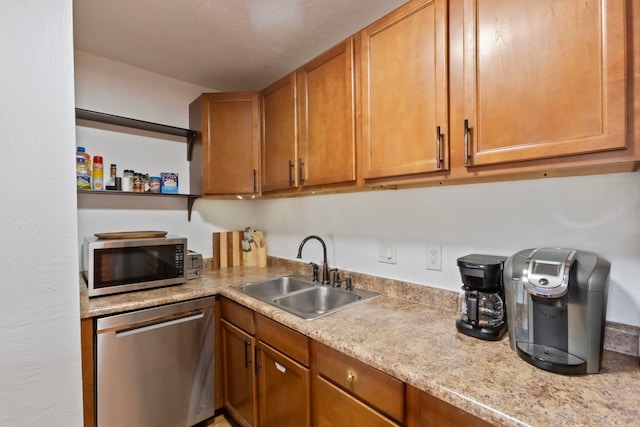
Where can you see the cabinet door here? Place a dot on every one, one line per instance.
(542, 79)
(332, 407)
(87, 340)
(284, 389)
(326, 114)
(230, 143)
(279, 135)
(239, 377)
(404, 91)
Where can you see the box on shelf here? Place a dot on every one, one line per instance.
(169, 182)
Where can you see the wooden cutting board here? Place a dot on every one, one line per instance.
(227, 249)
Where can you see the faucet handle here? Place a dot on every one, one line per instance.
(348, 286)
(335, 278)
(315, 271)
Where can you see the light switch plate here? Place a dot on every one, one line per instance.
(387, 252)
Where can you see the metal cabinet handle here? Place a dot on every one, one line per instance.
(161, 323)
(255, 181)
(301, 166)
(247, 360)
(438, 148)
(467, 151)
(351, 377)
(291, 166)
(256, 358)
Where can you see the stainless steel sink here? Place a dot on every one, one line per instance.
(303, 298)
(321, 300)
(277, 286)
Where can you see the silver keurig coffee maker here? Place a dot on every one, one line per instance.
(481, 302)
(556, 303)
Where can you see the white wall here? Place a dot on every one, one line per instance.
(40, 368)
(115, 88)
(594, 213)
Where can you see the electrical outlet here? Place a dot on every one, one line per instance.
(387, 252)
(434, 258)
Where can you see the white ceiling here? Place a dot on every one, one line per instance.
(225, 45)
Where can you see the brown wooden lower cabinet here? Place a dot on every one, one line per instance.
(424, 410)
(266, 382)
(283, 389)
(275, 376)
(346, 391)
(239, 389)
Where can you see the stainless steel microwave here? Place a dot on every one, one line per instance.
(113, 266)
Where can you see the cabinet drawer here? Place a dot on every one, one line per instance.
(333, 407)
(288, 341)
(239, 315)
(374, 387)
(424, 410)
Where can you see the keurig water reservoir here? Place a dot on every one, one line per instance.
(556, 303)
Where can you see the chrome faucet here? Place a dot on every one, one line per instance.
(325, 267)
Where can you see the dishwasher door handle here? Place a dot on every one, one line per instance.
(161, 324)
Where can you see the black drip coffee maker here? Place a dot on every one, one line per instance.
(481, 302)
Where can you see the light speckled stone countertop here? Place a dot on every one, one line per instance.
(412, 338)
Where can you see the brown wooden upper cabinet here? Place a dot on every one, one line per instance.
(405, 123)
(229, 142)
(441, 90)
(279, 135)
(542, 79)
(326, 115)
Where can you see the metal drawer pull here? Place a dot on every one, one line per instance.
(161, 324)
(351, 377)
(255, 181)
(247, 360)
(291, 166)
(467, 151)
(438, 148)
(280, 368)
(257, 365)
(300, 167)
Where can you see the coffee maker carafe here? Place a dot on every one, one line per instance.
(481, 302)
(556, 303)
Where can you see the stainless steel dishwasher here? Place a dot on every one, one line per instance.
(155, 367)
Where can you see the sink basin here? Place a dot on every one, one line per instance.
(304, 298)
(267, 289)
(320, 300)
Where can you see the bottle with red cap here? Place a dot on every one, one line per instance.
(98, 173)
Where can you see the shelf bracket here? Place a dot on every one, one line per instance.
(190, 201)
(191, 141)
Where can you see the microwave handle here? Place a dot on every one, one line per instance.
(145, 327)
